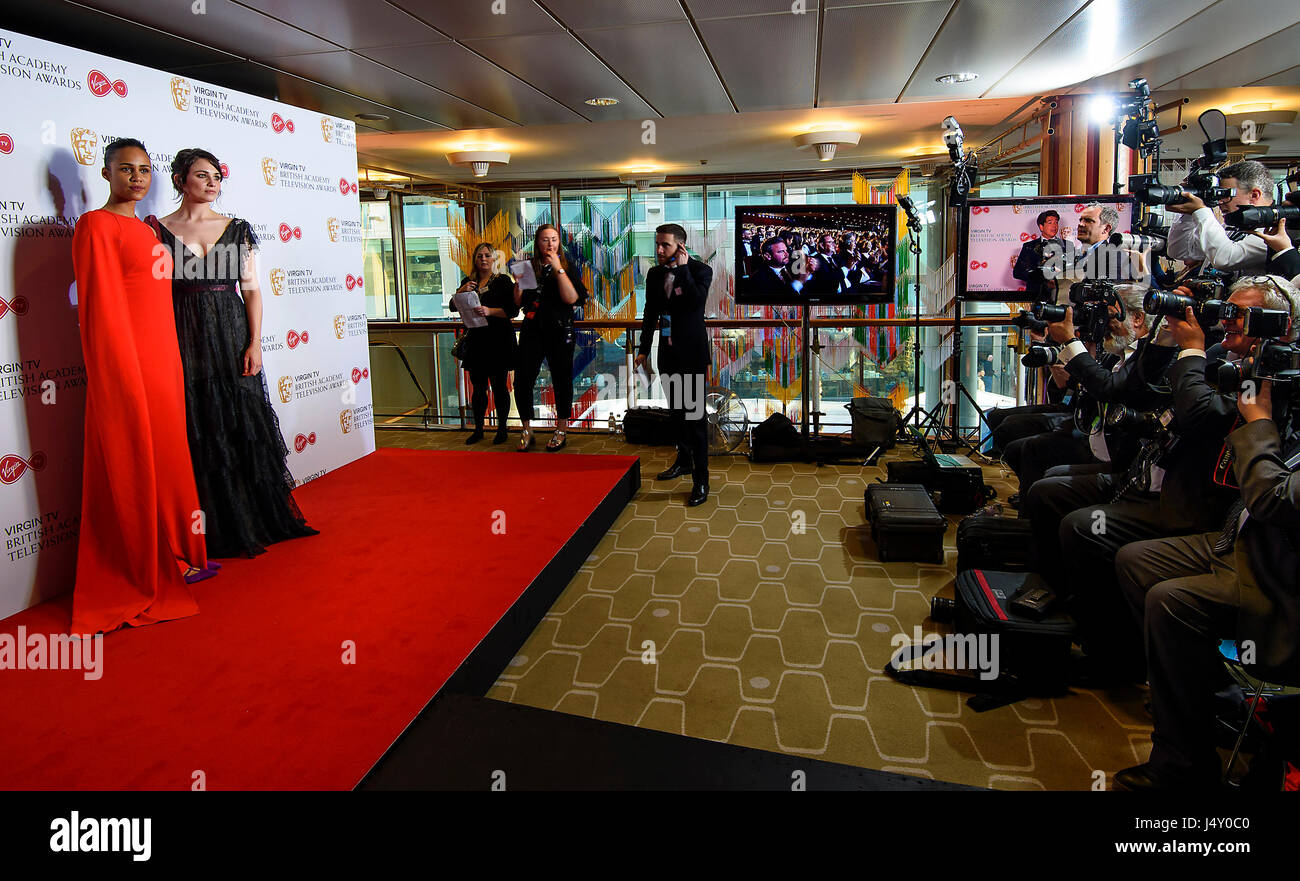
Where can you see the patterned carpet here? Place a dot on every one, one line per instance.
(769, 622)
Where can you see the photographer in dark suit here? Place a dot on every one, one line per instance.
(1029, 265)
(1189, 593)
(675, 294)
(1169, 489)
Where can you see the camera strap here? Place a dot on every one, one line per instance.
(1223, 475)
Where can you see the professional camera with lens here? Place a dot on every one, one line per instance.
(1026, 320)
(1202, 181)
(1137, 422)
(1138, 242)
(1041, 355)
(1266, 216)
(1208, 312)
(1092, 300)
(1270, 358)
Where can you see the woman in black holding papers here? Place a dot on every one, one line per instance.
(489, 350)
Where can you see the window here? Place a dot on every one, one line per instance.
(378, 260)
(431, 276)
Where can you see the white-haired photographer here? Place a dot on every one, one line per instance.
(1197, 235)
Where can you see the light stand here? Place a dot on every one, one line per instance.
(914, 248)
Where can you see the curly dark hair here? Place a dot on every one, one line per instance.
(185, 160)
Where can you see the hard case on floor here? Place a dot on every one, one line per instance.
(904, 523)
(998, 543)
(959, 483)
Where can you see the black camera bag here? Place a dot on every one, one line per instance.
(1035, 653)
(1000, 543)
(875, 422)
(652, 426)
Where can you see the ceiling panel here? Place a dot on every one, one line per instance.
(1211, 34)
(893, 33)
(1289, 77)
(564, 69)
(370, 80)
(453, 68)
(765, 60)
(584, 14)
(354, 24)
(1093, 42)
(93, 31)
(225, 25)
(259, 79)
(667, 64)
(474, 19)
(986, 37)
(1256, 62)
(729, 8)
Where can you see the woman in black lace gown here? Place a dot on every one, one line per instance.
(245, 488)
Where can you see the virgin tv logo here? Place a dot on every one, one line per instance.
(6, 143)
(1078, 209)
(360, 373)
(18, 306)
(345, 187)
(975, 264)
(293, 339)
(1026, 236)
(354, 281)
(302, 441)
(289, 232)
(13, 466)
(225, 172)
(279, 124)
(100, 85)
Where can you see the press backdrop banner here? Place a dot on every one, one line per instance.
(290, 172)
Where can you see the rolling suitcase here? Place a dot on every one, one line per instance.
(904, 523)
(998, 543)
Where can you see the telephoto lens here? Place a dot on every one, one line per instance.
(1256, 216)
(942, 610)
(1138, 242)
(1041, 356)
(1165, 303)
(1026, 321)
(1049, 312)
(1134, 422)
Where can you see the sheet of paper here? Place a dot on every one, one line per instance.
(465, 302)
(522, 270)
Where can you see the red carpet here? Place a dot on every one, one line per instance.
(253, 691)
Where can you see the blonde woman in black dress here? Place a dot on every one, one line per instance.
(490, 351)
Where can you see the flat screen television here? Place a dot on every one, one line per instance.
(1001, 233)
(816, 254)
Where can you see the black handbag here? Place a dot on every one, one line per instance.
(459, 347)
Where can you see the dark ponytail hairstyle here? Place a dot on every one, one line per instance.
(185, 160)
(121, 144)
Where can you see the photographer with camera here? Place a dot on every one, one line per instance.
(1197, 236)
(1190, 593)
(1170, 488)
(1088, 444)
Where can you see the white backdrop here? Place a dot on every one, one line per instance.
(290, 172)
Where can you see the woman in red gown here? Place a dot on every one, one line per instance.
(142, 531)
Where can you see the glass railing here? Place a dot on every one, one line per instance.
(417, 383)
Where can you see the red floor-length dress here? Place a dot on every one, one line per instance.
(139, 503)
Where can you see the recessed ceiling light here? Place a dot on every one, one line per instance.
(372, 117)
(949, 79)
(602, 102)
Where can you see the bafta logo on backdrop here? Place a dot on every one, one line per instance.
(181, 93)
(345, 420)
(269, 169)
(340, 326)
(85, 145)
(326, 129)
(333, 225)
(277, 282)
(286, 389)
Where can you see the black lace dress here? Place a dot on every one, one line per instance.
(244, 485)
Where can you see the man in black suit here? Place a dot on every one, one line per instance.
(1240, 583)
(771, 280)
(675, 294)
(827, 279)
(1029, 265)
